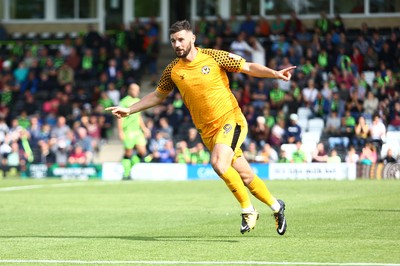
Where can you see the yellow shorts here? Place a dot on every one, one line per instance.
(231, 129)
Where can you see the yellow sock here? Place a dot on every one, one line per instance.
(258, 188)
(235, 184)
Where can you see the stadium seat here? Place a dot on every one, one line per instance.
(303, 123)
(311, 136)
(73, 35)
(31, 35)
(393, 137)
(392, 145)
(309, 147)
(17, 35)
(304, 112)
(45, 35)
(60, 35)
(315, 124)
(289, 149)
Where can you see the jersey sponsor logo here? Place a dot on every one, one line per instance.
(182, 76)
(234, 56)
(227, 128)
(205, 70)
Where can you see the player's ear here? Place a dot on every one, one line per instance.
(193, 38)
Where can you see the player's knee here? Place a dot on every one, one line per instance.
(219, 166)
(247, 178)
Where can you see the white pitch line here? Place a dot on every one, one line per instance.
(30, 187)
(198, 262)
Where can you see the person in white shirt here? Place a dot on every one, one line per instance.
(310, 93)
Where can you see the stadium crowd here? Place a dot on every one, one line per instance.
(52, 99)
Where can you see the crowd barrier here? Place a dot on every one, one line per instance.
(113, 171)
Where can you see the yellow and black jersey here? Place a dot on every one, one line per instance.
(203, 84)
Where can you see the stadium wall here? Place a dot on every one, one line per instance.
(113, 171)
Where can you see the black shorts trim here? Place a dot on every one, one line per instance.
(236, 135)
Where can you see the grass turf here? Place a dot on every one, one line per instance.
(197, 221)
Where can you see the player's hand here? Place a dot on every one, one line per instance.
(118, 111)
(285, 73)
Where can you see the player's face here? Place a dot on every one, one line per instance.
(182, 42)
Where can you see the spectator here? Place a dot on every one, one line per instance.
(267, 154)
(259, 94)
(377, 131)
(113, 93)
(46, 155)
(277, 134)
(361, 133)
(277, 26)
(338, 137)
(368, 155)
(319, 155)
(240, 47)
(388, 158)
(283, 157)
(183, 154)
(60, 131)
(293, 130)
(309, 94)
(248, 26)
(370, 104)
(298, 155)
(260, 132)
(92, 38)
(192, 138)
(165, 154)
(334, 157)
(200, 155)
(394, 118)
(322, 23)
(351, 156)
(77, 156)
(277, 97)
(251, 152)
(86, 142)
(61, 149)
(293, 24)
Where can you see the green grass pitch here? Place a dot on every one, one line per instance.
(46, 222)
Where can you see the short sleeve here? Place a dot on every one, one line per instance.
(226, 60)
(166, 85)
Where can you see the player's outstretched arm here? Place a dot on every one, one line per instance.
(260, 71)
(152, 99)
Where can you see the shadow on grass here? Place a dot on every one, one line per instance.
(223, 239)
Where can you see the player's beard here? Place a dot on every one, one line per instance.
(184, 53)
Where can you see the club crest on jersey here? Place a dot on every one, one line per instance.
(205, 70)
(227, 128)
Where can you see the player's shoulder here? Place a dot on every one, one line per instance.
(213, 52)
(172, 63)
(221, 55)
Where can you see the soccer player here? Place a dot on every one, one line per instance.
(132, 131)
(200, 75)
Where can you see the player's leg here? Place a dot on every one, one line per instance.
(221, 159)
(139, 142)
(254, 183)
(129, 144)
(258, 188)
(127, 163)
(225, 146)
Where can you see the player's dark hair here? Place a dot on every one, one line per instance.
(180, 25)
